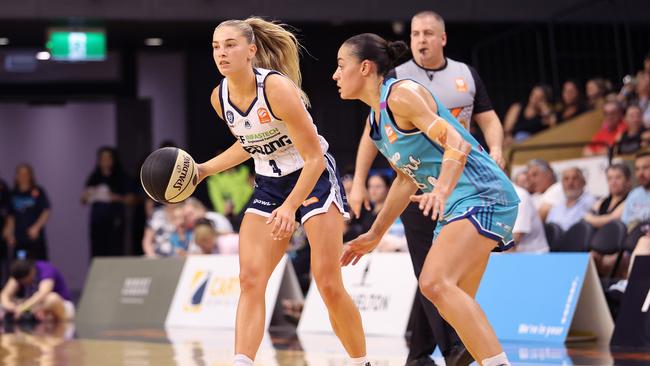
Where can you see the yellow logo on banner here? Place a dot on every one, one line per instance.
(208, 289)
(224, 286)
(197, 291)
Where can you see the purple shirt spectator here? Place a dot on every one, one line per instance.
(46, 271)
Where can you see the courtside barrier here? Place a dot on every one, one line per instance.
(208, 292)
(383, 287)
(545, 298)
(128, 291)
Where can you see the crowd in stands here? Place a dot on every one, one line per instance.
(574, 210)
(625, 124)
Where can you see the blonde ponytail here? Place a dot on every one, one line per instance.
(277, 48)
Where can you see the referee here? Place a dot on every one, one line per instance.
(461, 90)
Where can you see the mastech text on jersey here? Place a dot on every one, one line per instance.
(261, 133)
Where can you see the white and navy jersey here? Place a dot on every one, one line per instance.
(456, 84)
(264, 136)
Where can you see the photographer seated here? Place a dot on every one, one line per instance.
(37, 288)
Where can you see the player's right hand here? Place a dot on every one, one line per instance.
(283, 220)
(202, 174)
(358, 196)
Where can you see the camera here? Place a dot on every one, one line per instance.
(629, 79)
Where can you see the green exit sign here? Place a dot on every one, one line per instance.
(77, 45)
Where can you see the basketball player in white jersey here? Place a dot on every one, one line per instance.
(296, 180)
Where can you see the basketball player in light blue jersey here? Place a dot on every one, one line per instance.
(463, 188)
(296, 180)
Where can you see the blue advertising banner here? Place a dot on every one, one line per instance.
(532, 297)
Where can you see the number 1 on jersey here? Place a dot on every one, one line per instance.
(276, 170)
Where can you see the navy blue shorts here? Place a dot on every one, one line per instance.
(271, 192)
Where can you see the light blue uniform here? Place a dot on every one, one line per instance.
(483, 194)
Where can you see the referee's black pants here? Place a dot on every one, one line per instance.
(428, 326)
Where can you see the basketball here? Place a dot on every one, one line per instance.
(169, 175)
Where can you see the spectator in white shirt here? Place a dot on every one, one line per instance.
(521, 179)
(544, 188)
(528, 231)
(156, 241)
(577, 202)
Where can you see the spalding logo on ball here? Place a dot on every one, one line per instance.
(169, 175)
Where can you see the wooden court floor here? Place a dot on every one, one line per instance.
(70, 345)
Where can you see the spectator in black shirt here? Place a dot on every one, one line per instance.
(29, 210)
(107, 193)
(572, 103)
(629, 142)
(528, 118)
(596, 89)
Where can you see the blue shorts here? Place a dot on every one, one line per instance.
(494, 222)
(271, 192)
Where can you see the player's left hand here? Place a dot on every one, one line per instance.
(432, 202)
(355, 249)
(497, 156)
(283, 220)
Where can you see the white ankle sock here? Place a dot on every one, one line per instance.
(359, 361)
(499, 360)
(242, 360)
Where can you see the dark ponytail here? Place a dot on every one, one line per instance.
(386, 55)
(398, 52)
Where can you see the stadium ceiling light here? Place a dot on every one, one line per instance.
(4, 41)
(43, 56)
(153, 41)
